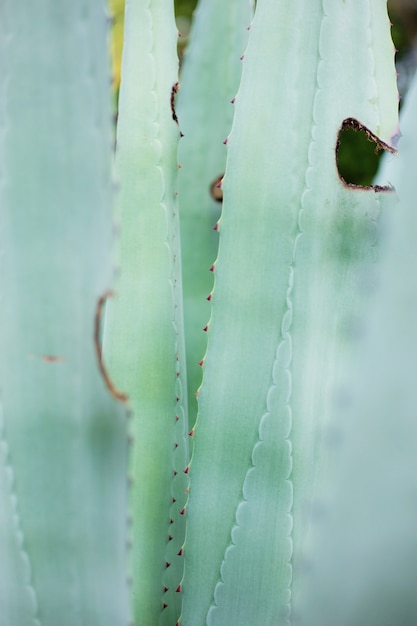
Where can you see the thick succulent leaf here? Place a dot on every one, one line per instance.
(209, 81)
(63, 437)
(363, 551)
(18, 601)
(143, 344)
(296, 245)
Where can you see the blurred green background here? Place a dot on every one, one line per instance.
(357, 159)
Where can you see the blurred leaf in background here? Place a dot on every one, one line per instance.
(117, 9)
(358, 158)
(403, 14)
(183, 12)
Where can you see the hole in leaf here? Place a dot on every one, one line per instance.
(358, 152)
(216, 191)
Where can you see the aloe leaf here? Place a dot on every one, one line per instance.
(209, 81)
(296, 244)
(63, 440)
(17, 598)
(143, 342)
(363, 549)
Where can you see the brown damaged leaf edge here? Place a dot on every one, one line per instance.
(216, 191)
(175, 89)
(353, 124)
(97, 322)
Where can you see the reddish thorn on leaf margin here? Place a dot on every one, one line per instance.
(216, 226)
(166, 589)
(167, 564)
(226, 141)
(182, 512)
(212, 268)
(209, 297)
(242, 57)
(197, 393)
(164, 606)
(178, 589)
(206, 328)
(201, 363)
(233, 101)
(191, 433)
(180, 552)
(187, 470)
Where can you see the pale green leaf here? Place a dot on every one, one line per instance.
(63, 439)
(143, 340)
(209, 80)
(296, 248)
(363, 549)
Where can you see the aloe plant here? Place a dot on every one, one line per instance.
(363, 550)
(209, 80)
(63, 441)
(282, 317)
(219, 518)
(144, 343)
